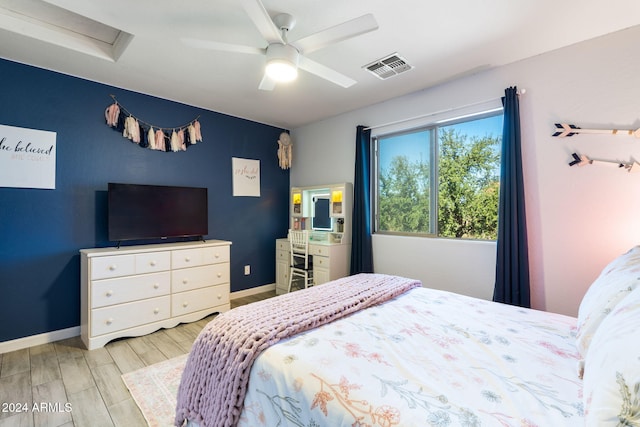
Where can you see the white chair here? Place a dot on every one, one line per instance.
(301, 265)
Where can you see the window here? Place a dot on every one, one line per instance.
(441, 180)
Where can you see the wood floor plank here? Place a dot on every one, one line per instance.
(24, 419)
(44, 364)
(70, 347)
(76, 374)
(97, 357)
(166, 345)
(109, 382)
(15, 362)
(146, 350)
(125, 358)
(191, 330)
(51, 406)
(88, 409)
(15, 391)
(127, 414)
(185, 346)
(178, 333)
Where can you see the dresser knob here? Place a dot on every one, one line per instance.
(152, 263)
(184, 304)
(112, 267)
(109, 321)
(109, 293)
(219, 296)
(156, 311)
(219, 275)
(185, 281)
(217, 255)
(187, 259)
(156, 286)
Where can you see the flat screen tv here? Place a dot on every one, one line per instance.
(146, 212)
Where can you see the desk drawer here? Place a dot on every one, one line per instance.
(319, 250)
(125, 289)
(199, 277)
(118, 317)
(283, 256)
(282, 245)
(321, 262)
(199, 299)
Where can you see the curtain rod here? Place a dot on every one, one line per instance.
(520, 92)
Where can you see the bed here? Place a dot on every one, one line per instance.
(395, 353)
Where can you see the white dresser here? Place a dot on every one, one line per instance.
(135, 290)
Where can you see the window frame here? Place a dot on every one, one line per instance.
(434, 152)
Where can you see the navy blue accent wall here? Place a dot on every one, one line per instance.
(41, 231)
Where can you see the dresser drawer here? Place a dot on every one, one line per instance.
(112, 266)
(199, 299)
(186, 258)
(199, 277)
(215, 255)
(118, 317)
(125, 289)
(152, 262)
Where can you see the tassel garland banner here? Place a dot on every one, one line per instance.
(150, 136)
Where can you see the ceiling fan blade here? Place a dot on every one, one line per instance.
(263, 22)
(325, 72)
(224, 47)
(267, 83)
(346, 30)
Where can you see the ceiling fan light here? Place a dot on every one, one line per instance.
(281, 70)
(282, 62)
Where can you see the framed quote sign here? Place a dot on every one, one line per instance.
(27, 158)
(246, 177)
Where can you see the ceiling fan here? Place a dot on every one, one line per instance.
(283, 58)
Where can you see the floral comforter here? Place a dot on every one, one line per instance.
(425, 358)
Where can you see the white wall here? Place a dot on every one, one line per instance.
(579, 218)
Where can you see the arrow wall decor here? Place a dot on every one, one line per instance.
(582, 160)
(565, 130)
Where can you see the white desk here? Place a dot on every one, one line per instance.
(330, 261)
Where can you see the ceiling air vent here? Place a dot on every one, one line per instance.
(389, 66)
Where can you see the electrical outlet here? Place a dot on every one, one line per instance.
(247, 270)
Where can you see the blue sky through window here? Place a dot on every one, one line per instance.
(415, 145)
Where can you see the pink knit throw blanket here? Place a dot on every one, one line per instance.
(215, 378)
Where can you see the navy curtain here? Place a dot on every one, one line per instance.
(512, 263)
(361, 247)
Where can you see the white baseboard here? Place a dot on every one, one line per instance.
(33, 340)
(62, 334)
(253, 291)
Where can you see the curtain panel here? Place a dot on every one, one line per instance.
(361, 245)
(512, 261)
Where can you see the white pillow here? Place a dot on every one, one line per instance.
(616, 281)
(612, 368)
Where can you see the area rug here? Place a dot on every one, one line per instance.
(154, 389)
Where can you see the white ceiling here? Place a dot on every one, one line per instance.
(442, 40)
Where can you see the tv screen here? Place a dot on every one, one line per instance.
(139, 212)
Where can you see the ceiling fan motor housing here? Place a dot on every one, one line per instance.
(282, 61)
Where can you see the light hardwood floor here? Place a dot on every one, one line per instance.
(71, 386)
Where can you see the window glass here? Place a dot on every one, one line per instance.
(441, 180)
